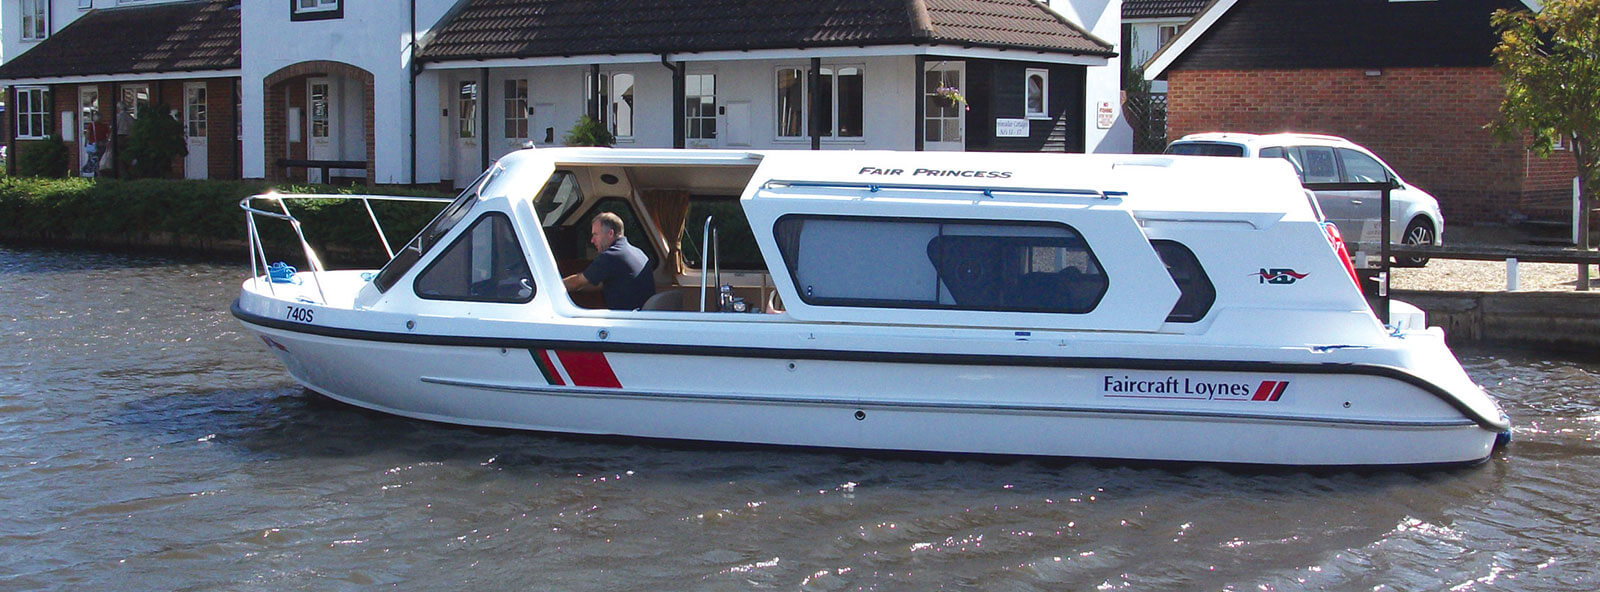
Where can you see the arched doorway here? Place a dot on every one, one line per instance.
(319, 111)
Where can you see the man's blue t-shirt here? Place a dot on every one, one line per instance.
(623, 272)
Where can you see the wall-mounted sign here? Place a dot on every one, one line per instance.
(1104, 115)
(1010, 128)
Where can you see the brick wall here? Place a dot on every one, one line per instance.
(1428, 123)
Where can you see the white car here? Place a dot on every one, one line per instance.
(1414, 215)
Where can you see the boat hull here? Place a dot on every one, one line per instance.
(905, 402)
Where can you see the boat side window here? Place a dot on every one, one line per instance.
(560, 195)
(430, 234)
(1196, 294)
(942, 264)
(736, 243)
(484, 264)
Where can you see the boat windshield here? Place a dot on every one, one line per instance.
(559, 196)
(435, 230)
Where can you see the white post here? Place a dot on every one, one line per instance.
(1576, 207)
(1511, 274)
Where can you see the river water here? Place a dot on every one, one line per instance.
(148, 443)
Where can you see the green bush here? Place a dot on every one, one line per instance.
(43, 158)
(154, 140)
(205, 215)
(588, 132)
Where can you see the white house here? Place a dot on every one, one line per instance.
(1147, 26)
(426, 91)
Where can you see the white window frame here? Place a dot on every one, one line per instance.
(301, 6)
(1164, 34)
(703, 117)
(37, 113)
(805, 103)
(613, 102)
(35, 19)
(514, 97)
(1044, 93)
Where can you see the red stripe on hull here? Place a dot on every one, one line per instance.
(1278, 392)
(548, 368)
(1264, 391)
(588, 368)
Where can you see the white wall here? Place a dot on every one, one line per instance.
(1103, 19)
(371, 36)
(1146, 39)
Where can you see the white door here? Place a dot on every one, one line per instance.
(322, 106)
(944, 108)
(468, 157)
(90, 130)
(194, 129)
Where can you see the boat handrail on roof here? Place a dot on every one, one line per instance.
(258, 253)
(985, 191)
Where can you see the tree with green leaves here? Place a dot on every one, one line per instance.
(1549, 62)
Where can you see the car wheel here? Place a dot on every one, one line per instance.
(1418, 232)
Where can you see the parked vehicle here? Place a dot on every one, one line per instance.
(1413, 213)
(1172, 308)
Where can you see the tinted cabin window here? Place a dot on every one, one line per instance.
(1205, 149)
(1196, 294)
(940, 264)
(484, 264)
(559, 196)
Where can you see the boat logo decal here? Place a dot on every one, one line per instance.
(1174, 387)
(576, 368)
(1279, 275)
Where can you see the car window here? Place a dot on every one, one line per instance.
(1205, 149)
(1290, 154)
(1319, 163)
(1360, 168)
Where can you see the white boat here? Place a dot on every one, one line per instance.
(1116, 307)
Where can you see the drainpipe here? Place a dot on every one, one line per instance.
(411, 68)
(813, 105)
(678, 88)
(594, 92)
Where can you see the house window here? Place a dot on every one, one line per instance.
(620, 101)
(467, 109)
(130, 100)
(517, 109)
(33, 113)
(35, 19)
(194, 107)
(85, 4)
(1036, 88)
(700, 106)
(841, 104)
(315, 10)
(1165, 33)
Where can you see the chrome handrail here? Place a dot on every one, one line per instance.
(258, 252)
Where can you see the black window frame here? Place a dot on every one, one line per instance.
(296, 14)
(533, 289)
(790, 265)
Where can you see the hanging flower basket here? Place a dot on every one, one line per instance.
(953, 94)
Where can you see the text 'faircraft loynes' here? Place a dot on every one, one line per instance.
(1084, 306)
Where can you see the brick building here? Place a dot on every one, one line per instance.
(1412, 81)
(80, 73)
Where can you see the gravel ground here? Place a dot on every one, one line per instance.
(1488, 276)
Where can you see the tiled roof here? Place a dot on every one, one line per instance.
(486, 29)
(173, 37)
(1161, 8)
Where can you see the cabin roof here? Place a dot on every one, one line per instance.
(1193, 184)
(173, 37)
(492, 29)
